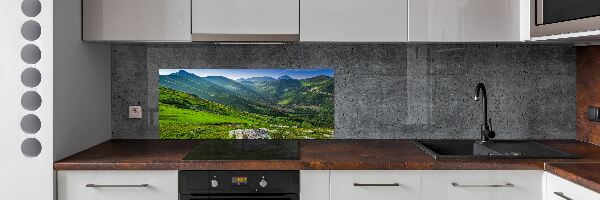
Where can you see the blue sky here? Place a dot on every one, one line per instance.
(248, 73)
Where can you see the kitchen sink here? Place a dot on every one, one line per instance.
(472, 149)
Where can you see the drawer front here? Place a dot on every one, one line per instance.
(482, 185)
(117, 185)
(375, 185)
(560, 189)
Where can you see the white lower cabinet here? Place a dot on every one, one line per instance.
(482, 185)
(375, 185)
(560, 189)
(314, 185)
(435, 185)
(341, 185)
(117, 185)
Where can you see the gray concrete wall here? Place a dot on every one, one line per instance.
(382, 90)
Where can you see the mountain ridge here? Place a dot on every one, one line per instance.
(255, 79)
(285, 77)
(192, 84)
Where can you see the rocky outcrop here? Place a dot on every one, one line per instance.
(261, 133)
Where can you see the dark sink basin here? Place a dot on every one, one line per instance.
(470, 149)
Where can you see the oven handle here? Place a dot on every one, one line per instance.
(193, 197)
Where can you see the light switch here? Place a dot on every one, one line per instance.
(135, 112)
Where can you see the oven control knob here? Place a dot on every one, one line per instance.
(263, 183)
(214, 183)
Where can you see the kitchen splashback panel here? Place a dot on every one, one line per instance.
(381, 90)
(245, 103)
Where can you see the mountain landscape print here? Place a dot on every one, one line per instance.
(246, 103)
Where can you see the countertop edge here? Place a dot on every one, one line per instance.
(573, 177)
(299, 165)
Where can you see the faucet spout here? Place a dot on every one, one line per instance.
(486, 131)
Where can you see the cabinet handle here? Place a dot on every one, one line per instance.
(115, 186)
(499, 185)
(560, 194)
(376, 184)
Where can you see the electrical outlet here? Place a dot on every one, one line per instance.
(135, 112)
(593, 114)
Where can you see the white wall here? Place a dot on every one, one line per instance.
(82, 75)
(82, 79)
(21, 177)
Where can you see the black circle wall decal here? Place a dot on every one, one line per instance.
(31, 124)
(31, 54)
(31, 147)
(31, 8)
(31, 77)
(31, 30)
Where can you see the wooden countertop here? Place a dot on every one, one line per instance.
(331, 155)
(314, 154)
(584, 174)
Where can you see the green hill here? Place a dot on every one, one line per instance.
(186, 116)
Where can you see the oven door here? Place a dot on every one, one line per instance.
(239, 197)
(552, 17)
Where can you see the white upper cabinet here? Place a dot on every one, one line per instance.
(307, 20)
(353, 20)
(245, 20)
(136, 20)
(468, 20)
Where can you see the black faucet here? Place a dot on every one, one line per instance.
(486, 129)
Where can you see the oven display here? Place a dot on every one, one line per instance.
(239, 181)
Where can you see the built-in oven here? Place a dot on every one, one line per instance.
(238, 185)
(553, 17)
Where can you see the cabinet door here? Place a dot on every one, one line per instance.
(117, 185)
(245, 17)
(468, 20)
(353, 20)
(375, 185)
(314, 185)
(482, 185)
(136, 20)
(561, 189)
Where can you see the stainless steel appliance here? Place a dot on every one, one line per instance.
(235, 185)
(553, 17)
